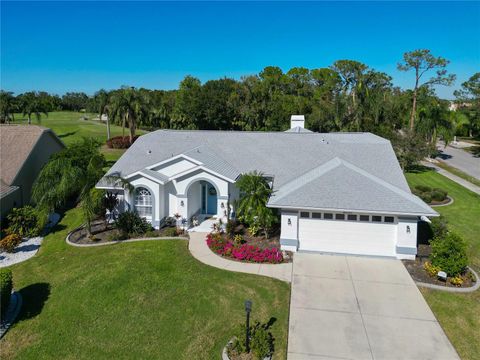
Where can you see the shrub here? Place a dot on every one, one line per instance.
(10, 242)
(170, 231)
(439, 227)
(253, 230)
(261, 341)
(449, 253)
(132, 224)
(456, 281)
(426, 197)
(120, 142)
(152, 234)
(230, 227)
(431, 270)
(423, 188)
(238, 239)
(170, 221)
(6, 285)
(438, 195)
(23, 221)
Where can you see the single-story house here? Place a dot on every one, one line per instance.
(24, 150)
(336, 192)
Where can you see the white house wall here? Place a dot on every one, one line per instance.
(194, 199)
(406, 246)
(157, 193)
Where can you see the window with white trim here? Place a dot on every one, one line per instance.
(389, 219)
(316, 215)
(376, 218)
(305, 214)
(364, 217)
(143, 202)
(328, 216)
(352, 217)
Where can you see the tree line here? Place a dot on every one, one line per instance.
(347, 96)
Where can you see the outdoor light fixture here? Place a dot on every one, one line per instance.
(248, 309)
(182, 203)
(222, 205)
(289, 221)
(408, 229)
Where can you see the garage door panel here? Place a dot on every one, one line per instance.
(347, 237)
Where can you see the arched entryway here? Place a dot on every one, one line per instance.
(202, 199)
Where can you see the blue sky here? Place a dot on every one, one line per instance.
(85, 46)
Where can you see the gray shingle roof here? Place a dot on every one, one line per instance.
(288, 156)
(298, 129)
(339, 185)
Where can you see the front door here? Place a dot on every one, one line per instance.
(211, 200)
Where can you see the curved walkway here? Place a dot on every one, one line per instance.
(200, 250)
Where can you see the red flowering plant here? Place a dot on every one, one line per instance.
(243, 252)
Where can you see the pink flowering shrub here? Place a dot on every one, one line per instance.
(243, 252)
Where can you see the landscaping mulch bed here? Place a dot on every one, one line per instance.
(418, 273)
(104, 235)
(447, 200)
(260, 241)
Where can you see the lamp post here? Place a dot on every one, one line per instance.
(248, 308)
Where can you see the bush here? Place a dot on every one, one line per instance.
(439, 227)
(238, 240)
(438, 195)
(431, 270)
(10, 242)
(456, 281)
(449, 253)
(152, 234)
(6, 286)
(170, 221)
(132, 224)
(261, 341)
(120, 142)
(117, 236)
(170, 232)
(230, 227)
(423, 188)
(23, 221)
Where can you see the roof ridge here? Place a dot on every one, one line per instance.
(307, 177)
(406, 195)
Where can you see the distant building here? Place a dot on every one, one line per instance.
(24, 150)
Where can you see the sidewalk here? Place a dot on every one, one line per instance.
(466, 184)
(200, 250)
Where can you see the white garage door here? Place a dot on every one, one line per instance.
(347, 237)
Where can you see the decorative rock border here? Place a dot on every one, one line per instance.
(453, 289)
(12, 312)
(446, 204)
(69, 242)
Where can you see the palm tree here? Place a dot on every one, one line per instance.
(252, 207)
(130, 106)
(71, 173)
(7, 106)
(30, 104)
(101, 100)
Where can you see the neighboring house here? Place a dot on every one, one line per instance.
(24, 149)
(336, 192)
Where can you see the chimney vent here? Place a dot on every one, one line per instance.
(297, 121)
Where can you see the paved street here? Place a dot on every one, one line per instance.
(346, 307)
(460, 159)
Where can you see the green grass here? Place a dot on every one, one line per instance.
(457, 313)
(145, 300)
(459, 173)
(70, 128)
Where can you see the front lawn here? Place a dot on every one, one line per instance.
(146, 300)
(457, 313)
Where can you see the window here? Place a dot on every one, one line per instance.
(389, 219)
(352, 217)
(305, 214)
(376, 218)
(316, 215)
(340, 216)
(364, 217)
(143, 202)
(328, 216)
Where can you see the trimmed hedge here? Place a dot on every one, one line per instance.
(6, 286)
(120, 142)
(427, 194)
(130, 223)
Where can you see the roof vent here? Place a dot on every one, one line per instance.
(149, 151)
(297, 121)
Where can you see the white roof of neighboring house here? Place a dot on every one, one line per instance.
(310, 170)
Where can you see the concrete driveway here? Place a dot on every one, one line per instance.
(346, 307)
